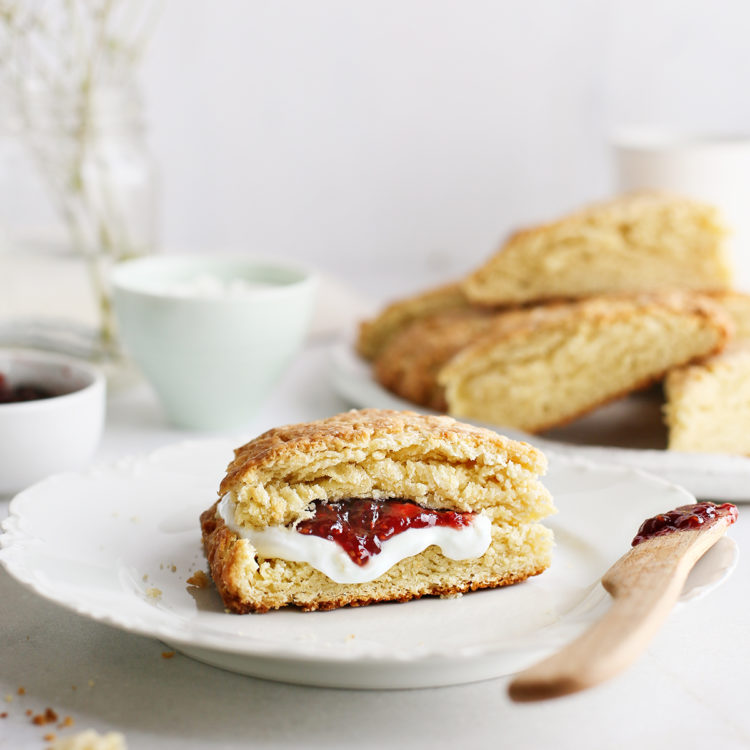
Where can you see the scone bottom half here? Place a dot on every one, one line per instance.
(284, 481)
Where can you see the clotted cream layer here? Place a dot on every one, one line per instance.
(330, 559)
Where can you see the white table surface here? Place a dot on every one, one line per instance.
(686, 691)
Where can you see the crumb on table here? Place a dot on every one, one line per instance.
(91, 740)
(48, 717)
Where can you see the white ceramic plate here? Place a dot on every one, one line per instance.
(105, 542)
(628, 432)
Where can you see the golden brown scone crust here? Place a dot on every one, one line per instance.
(374, 334)
(639, 242)
(282, 450)
(379, 454)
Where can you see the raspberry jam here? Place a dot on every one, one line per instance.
(14, 394)
(684, 517)
(361, 526)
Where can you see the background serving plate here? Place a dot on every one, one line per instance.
(627, 432)
(118, 543)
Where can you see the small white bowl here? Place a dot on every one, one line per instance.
(212, 334)
(45, 436)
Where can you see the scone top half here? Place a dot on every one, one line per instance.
(376, 454)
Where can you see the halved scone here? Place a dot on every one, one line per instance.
(374, 506)
(708, 404)
(635, 243)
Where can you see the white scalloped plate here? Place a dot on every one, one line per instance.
(628, 432)
(117, 544)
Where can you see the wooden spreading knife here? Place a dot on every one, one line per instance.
(644, 585)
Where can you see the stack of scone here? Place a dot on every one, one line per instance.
(571, 315)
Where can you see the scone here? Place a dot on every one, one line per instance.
(568, 359)
(375, 506)
(374, 334)
(639, 242)
(708, 404)
(541, 367)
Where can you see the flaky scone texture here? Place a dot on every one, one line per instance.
(638, 242)
(434, 461)
(374, 334)
(707, 406)
(565, 360)
(381, 454)
(248, 583)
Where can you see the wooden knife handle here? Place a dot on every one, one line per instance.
(644, 585)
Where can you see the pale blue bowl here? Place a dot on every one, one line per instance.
(212, 358)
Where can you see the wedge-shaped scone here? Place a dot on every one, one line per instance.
(265, 537)
(539, 367)
(374, 334)
(638, 242)
(565, 360)
(708, 404)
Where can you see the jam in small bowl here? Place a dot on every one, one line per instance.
(51, 415)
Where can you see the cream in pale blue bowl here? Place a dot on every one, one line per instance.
(212, 334)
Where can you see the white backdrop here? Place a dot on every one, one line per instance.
(396, 142)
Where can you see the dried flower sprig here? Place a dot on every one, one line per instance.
(69, 52)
